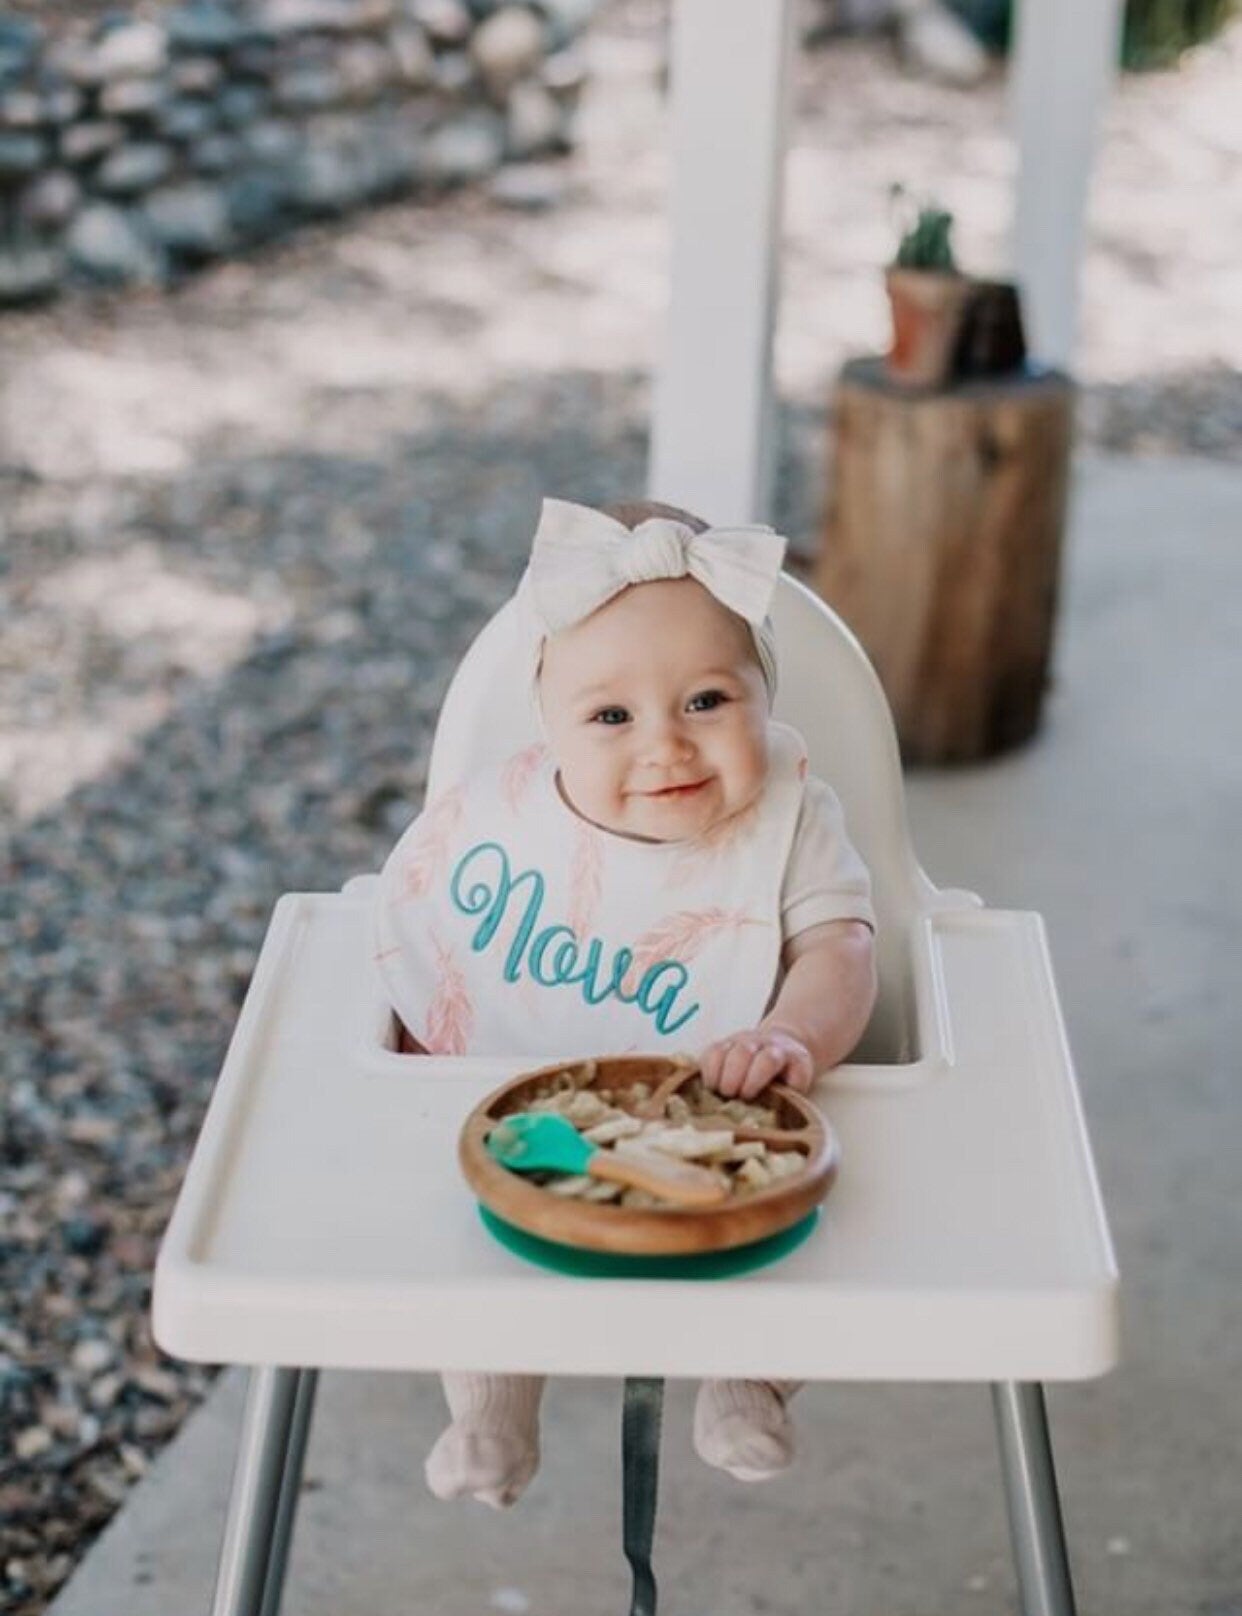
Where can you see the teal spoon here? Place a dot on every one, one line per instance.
(531, 1142)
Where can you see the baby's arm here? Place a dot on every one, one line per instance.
(820, 1013)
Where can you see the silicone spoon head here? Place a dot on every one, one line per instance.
(531, 1143)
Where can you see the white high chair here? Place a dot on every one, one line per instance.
(323, 1221)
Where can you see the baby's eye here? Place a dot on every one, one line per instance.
(706, 701)
(610, 715)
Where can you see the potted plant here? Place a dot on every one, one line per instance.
(927, 293)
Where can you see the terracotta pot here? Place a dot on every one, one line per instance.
(927, 307)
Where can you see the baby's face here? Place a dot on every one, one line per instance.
(657, 713)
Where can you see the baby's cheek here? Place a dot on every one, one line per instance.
(581, 778)
(613, 805)
(749, 783)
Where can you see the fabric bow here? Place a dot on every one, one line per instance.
(581, 558)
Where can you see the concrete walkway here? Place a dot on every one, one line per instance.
(1121, 824)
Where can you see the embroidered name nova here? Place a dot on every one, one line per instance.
(482, 883)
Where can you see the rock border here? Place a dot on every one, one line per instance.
(136, 149)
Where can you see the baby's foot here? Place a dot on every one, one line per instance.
(493, 1465)
(743, 1426)
(491, 1449)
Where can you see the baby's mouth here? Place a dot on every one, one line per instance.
(677, 793)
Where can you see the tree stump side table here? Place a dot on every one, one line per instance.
(943, 546)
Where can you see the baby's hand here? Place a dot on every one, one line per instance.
(742, 1065)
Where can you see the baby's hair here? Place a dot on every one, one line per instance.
(630, 512)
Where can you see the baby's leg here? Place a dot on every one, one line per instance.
(743, 1426)
(491, 1450)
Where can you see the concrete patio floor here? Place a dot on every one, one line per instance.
(1121, 825)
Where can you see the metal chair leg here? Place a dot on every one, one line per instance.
(290, 1487)
(1031, 1494)
(255, 1503)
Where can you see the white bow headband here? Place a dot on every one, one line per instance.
(581, 558)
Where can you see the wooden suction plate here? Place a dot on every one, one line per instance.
(643, 1231)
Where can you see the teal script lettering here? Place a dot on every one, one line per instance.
(483, 885)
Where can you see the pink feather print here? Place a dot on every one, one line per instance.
(519, 771)
(431, 843)
(450, 1015)
(701, 856)
(586, 873)
(681, 937)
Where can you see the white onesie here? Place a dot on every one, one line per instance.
(507, 924)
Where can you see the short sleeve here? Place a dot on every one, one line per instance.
(825, 878)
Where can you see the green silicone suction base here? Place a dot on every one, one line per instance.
(608, 1265)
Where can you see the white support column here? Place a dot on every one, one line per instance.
(711, 438)
(1064, 61)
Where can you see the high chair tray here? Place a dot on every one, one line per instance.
(324, 1221)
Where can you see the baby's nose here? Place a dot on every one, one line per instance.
(667, 742)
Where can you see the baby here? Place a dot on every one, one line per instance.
(658, 874)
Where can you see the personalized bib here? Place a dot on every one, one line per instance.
(505, 924)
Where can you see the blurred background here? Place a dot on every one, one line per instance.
(298, 323)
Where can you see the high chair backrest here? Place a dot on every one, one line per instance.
(827, 690)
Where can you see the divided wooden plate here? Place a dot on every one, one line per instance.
(643, 1231)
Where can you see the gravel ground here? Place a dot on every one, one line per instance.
(248, 530)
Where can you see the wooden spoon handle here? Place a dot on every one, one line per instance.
(654, 1107)
(779, 1138)
(744, 1133)
(665, 1176)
